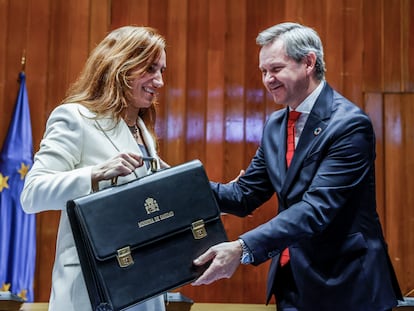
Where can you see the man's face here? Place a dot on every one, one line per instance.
(286, 79)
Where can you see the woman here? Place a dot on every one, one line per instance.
(100, 132)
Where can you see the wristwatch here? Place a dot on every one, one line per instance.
(247, 256)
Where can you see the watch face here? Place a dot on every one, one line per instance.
(246, 258)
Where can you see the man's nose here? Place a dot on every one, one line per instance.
(268, 78)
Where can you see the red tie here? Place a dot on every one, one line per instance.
(290, 149)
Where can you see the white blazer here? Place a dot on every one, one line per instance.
(74, 142)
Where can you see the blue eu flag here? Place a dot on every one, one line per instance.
(17, 229)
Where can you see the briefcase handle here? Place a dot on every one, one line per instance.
(153, 163)
(153, 166)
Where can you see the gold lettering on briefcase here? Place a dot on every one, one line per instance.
(124, 257)
(155, 219)
(199, 231)
(151, 205)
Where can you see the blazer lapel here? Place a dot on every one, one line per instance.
(121, 139)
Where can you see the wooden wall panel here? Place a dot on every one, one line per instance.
(408, 45)
(16, 30)
(234, 87)
(294, 11)
(215, 90)
(399, 198)
(157, 15)
(260, 17)
(372, 57)
(68, 46)
(5, 117)
(234, 149)
(407, 210)
(175, 90)
(99, 21)
(213, 105)
(126, 12)
(37, 56)
(196, 65)
(392, 46)
(374, 107)
(352, 51)
(274, 11)
(333, 36)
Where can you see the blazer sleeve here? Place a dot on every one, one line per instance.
(55, 176)
(250, 192)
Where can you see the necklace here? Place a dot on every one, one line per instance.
(136, 133)
(134, 130)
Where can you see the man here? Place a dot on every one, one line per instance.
(326, 244)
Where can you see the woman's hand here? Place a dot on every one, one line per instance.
(122, 164)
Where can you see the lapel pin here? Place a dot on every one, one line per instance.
(317, 131)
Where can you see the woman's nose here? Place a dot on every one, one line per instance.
(158, 80)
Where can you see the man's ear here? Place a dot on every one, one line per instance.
(310, 60)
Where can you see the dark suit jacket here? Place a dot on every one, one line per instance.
(327, 209)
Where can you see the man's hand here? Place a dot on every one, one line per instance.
(241, 173)
(225, 260)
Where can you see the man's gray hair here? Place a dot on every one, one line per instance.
(299, 41)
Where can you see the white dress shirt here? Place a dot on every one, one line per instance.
(305, 108)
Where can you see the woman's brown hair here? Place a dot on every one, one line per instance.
(103, 85)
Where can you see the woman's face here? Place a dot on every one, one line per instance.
(144, 87)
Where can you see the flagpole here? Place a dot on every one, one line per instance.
(23, 61)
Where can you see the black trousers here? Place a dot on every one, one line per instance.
(285, 290)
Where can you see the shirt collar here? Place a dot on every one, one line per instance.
(307, 105)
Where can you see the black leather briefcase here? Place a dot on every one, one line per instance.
(138, 240)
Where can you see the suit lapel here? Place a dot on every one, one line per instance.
(315, 125)
(281, 159)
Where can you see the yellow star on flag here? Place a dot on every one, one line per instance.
(6, 286)
(23, 170)
(3, 182)
(23, 294)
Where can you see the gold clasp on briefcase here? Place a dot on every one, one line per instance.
(124, 257)
(199, 231)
